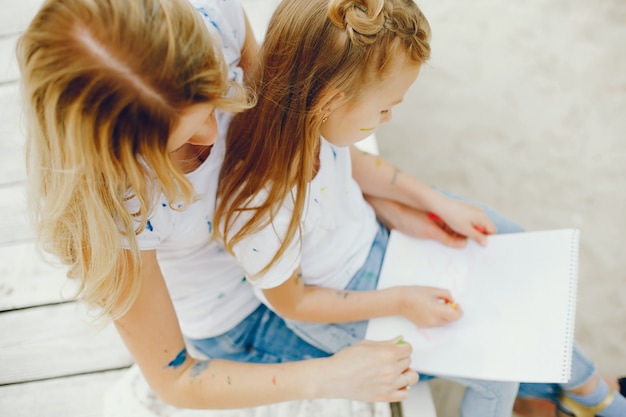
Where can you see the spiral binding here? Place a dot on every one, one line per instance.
(571, 308)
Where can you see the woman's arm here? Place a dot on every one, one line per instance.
(368, 371)
(424, 306)
(380, 179)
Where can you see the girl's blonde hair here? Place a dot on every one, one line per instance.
(312, 47)
(104, 84)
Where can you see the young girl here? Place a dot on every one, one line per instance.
(123, 101)
(329, 73)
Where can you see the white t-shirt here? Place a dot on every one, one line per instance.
(338, 229)
(226, 22)
(205, 283)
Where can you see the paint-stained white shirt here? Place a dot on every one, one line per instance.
(338, 229)
(206, 284)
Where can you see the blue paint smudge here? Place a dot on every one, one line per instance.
(210, 227)
(198, 368)
(221, 295)
(149, 226)
(163, 204)
(178, 360)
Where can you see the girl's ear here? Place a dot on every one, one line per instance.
(331, 100)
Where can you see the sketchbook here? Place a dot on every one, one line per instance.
(518, 295)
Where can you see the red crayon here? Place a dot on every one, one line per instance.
(434, 217)
(481, 229)
(437, 219)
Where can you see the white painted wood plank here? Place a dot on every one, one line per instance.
(16, 15)
(27, 280)
(12, 168)
(72, 396)
(14, 225)
(9, 70)
(53, 341)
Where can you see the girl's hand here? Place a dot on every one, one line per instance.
(427, 306)
(372, 371)
(458, 218)
(414, 222)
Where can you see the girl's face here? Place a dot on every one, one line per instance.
(197, 126)
(351, 122)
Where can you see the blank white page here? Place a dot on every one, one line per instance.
(518, 295)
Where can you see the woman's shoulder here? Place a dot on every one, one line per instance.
(226, 20)
(224, 16)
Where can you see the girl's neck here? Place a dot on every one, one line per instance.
(189, 157)
(316, 158)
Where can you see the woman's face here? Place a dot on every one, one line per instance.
(197, 126)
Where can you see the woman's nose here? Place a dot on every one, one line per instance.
(207, 132)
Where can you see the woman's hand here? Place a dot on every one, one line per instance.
(372, 371)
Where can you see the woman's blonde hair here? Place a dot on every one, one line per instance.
(104, 84)
(312, 47)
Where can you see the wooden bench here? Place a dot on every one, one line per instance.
(52, 362)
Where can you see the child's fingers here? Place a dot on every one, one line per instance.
(479, 237)
(481, 229)
(443, 234)
(447, 309)
(449, 312)
(491, 228)
(440, 293)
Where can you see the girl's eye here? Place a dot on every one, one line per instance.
(384, 112)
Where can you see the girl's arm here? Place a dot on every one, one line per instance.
(424, 306)
(368, 371)
(413, 222)
(380, 179)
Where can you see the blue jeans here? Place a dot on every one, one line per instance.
(262, 337)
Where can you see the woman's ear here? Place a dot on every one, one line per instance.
(331, 100)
